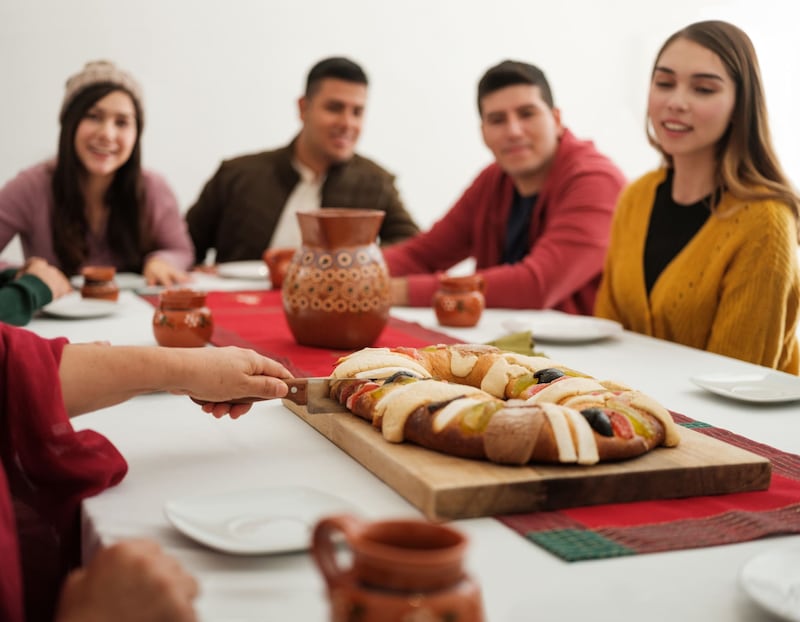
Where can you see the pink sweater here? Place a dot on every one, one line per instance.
(26, 203)
(569, 236)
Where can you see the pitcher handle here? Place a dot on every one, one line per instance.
(323, 546)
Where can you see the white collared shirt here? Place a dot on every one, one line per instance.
(307, 195)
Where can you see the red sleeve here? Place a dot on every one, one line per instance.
(464, 231)
(48, 467)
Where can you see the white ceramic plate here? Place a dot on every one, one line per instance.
(566, 328)
(74, 307)
(254, 270)
(255, 521)
(124, 280)
(772, 579)
(767, 386)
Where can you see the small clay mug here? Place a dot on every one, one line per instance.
(98, 282)
(277, 260)
(459, 300)
(403, 569)
(182, 319)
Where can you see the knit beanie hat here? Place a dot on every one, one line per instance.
(100, 72)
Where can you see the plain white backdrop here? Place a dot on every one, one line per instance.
(222, 78)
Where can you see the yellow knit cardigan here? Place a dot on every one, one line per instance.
(733, 289)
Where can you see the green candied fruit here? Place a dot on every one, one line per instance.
(477, 417)
(401, 377)
(523, 383)
(574, 374)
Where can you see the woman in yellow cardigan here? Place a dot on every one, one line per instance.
(704, 250)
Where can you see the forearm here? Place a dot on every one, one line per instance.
(95, 376)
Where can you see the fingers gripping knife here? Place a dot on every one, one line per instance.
(313, 393)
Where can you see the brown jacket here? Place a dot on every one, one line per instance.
(239, 208)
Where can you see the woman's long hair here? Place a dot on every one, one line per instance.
(747, 165)
(124, 197)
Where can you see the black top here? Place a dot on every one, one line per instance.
(672, 226)
(517, 243)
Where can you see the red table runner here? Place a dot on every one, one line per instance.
(256, 320)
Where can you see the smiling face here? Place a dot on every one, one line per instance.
(106, 135)
(691, 102)
(522, 132)
(332, 119)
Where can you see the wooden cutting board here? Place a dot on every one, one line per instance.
(445, 487)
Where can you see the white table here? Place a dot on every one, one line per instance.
(176, 450)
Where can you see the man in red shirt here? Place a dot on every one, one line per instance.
(536, 221)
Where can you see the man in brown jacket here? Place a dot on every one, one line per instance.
(251, 201)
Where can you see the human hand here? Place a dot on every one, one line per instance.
(160, 272)
(399, 291)
(131, 581)
(51, 276)
(219, 375)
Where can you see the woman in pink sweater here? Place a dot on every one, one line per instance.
(94, 204)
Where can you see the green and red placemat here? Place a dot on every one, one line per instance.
(256, 320)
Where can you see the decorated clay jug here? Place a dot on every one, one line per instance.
(399, 571)
(182, 319)
(336, 290)
(459, 300)
(98, 282)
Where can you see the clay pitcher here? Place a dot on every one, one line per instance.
(400, 571)
(336, 290)
(459, 300)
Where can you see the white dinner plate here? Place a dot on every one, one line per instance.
(255, 521)
(74, 307)
(766, 386)
(566, 328)
(772, 579)
(254, 270)
(124, 280)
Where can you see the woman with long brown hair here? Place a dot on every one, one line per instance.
(95, 204)
(704, 249)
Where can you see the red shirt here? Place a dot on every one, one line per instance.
(46, 469)
(568, 236)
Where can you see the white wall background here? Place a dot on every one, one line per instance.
(221, 77)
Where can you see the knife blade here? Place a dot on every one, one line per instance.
(314, 394)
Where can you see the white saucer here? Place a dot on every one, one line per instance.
(566, 328)
(772, 579)
(74, 307)
(254, 270)
(766, 386)
(255, 521)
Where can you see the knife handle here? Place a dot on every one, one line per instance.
(298, 393)
(298, 390)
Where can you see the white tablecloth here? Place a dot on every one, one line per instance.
(175, 450)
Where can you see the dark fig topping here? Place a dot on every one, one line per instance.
(397, 375)
(599, 421)
(545, 376)
(434, 406)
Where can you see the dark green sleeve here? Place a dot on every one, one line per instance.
(21, 298)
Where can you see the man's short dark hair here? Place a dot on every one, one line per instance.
(336, 67)
(509, 73)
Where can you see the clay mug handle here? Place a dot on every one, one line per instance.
(324, 545)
